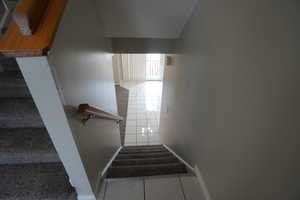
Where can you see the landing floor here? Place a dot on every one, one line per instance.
(180, 187)
(143, 115)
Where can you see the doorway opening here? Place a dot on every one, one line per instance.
(142, 76)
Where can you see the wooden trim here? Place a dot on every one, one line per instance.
(14, 44)
(86, 109)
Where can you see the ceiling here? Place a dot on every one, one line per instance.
(145, 18)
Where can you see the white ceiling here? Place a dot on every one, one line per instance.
(145, 18)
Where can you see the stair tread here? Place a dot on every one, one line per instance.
(142, 147)
(144, 161)
(143, 155)
(146, 170)
(12, 84)
(26, 145)
(35, 181)
(19, 113)
(143, 151)
(148, 166)
(29, 165)
(11, 79)
(9, 64)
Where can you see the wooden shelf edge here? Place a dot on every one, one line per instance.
(14, 44)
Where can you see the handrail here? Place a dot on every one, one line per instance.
(93, 112)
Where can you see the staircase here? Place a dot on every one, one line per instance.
(30, 168)
(148, 160)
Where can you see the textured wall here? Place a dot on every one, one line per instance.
(231, 102)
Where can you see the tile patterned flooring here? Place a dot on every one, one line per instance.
(178, 187)
(142, 127)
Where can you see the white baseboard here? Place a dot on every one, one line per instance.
(86, 197)
(196, 171)
(110, 161)
(202, 183)
(177, 156)
(103, 172)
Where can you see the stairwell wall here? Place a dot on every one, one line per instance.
(81, 63)
(230, 102)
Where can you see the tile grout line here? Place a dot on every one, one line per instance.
(181, 186)
(144, 182)
(105, 189)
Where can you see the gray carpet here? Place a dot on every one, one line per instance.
(26, 145)
(147, 160)
(35, 182)
(122, 101)
(30, 168)
(19, 113)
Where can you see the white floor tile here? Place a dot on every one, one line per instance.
(163, 189)
(143, 110)
(126, 189)
(131, 123)
(191, 188)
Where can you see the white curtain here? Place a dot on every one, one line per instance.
(134, 67)
(138, 67)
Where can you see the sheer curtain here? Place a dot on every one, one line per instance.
(138, 67)
(134, 67)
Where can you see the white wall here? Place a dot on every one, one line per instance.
(82, 68)
(231, 101)
(145, 19)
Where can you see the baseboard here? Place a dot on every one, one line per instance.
(181, 159)
(86, 197)
(196, 171)
(110, 161)
(103, 172)
(202, 183)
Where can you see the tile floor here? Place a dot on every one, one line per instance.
(142, 127)
(180, 187)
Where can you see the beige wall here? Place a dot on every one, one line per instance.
(231, 101)
(83, 70)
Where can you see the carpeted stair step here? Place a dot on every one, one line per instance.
(143, 151)
(146, 147)
(9, 64)
(143, 155)
(26, 145)
(19, 113)
(13, 85)
(145, 161)
(35, 181)
(146, 170)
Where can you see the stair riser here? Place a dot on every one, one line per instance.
(136, 172)
(144, 161)
(18, 113)
(121, 156)
(144, 151)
